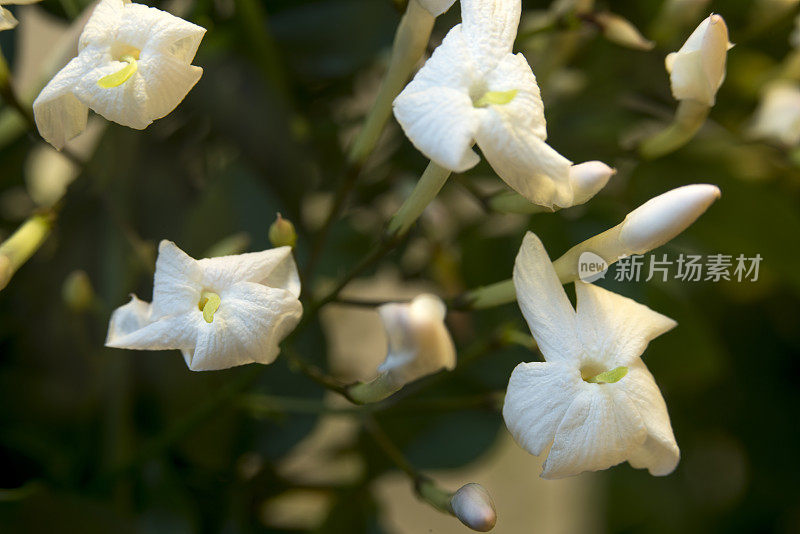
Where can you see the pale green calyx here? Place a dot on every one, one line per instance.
(208, 304)
(496, 98)
(121, 76)
(608, 377)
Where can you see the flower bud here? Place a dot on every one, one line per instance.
(778, 115)
(588, 178)
(662, 218)
(647, 227)
(620, 31)
(698, 68)
(474, 507)
(282, 233)
(77, 291)
(418, 345)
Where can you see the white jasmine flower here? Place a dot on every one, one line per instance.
(436, 7)
(697, 70)
(219, 312)
(418, 345)
(133, 67)
(474, 90)
(593, 398)
(7, 19)
(778, 115)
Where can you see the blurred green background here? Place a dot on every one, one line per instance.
(101, 440)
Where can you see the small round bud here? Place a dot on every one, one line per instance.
(662, 218)
(474, 507)
(282, 233)
(77, 291)
(588, 178)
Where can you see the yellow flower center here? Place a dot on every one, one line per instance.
(130, 56)
(208, 304)
(495, 98)
(607, 377)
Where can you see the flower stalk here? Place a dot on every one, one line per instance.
(689, 118)
(410, 42)
(22, 244)
(429, 185)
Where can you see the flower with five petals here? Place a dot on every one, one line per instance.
(593, 397)
(133, 67)
(219, 312)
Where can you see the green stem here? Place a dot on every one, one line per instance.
(689, 118)
(410, 41)
(22, 244)
(429, 185)
(9, 95)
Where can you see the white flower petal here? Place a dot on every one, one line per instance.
(248, 326)
(659, 453)
(527, 108)
(166, 333)
(600, 429)
(697, 70)
(538, 396)
(490, 27)
(159, 33)
(436, 7)
(613, 329)
(58, 112)
(274, 268)
(167, 82)
(544, 302)
(101, 26)
(525, 162)
(436, 111)
(7, 19)
(176, 284)
(128, 318)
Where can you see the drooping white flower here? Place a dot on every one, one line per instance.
(133, 67)
(697, 70)
(7, 19)
(418, 344)
(778, 115)
(219, 312)
(473, 89)
(593, 398)
(436, 7)
(418, 341)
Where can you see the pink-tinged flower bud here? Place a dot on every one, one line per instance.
(474, 507)
(662, 218)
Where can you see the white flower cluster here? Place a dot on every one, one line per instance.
(592, 401)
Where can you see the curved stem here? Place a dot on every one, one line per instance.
(689, 118)
(428, 186)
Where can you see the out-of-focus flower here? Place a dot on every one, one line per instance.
(282, 233)
(418, 345)
(473, 89)
(697, 70)
(220, 312)
(77, 291)
(778, 115)
(474, 507)
(133, 67)
(592, 398)
(621, 31)
(7, 19)
(436, 7)
(649, 226)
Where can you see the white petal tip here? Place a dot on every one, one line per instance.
(588, 178)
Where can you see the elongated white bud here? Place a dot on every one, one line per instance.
(474, 507)
(588, 179)
(435, 7)
(647, 227)
(662, 218)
